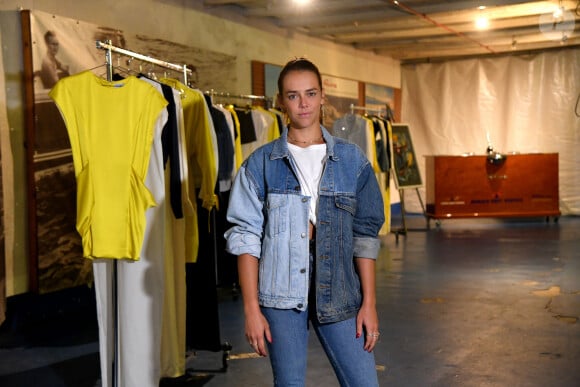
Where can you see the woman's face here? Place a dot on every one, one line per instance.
(52, 45)
(302, 99)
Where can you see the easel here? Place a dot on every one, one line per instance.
(403, 230)
(412, 180)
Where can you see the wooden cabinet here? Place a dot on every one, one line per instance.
(522, 185)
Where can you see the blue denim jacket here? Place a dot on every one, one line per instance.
(270, 221)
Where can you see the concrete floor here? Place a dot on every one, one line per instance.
(469, 303)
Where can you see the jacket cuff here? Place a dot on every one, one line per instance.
(238, 244)
(365, 247)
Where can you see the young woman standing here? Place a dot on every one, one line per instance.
(306, 210)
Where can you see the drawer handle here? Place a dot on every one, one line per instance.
(497, 177)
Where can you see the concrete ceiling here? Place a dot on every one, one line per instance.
(418, 30)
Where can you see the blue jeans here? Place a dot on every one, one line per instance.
(288, 351)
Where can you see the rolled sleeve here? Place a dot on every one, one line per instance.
(366, 247)
(369, 217)
(239, 242)
(245, 214)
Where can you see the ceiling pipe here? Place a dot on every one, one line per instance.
(447, 28)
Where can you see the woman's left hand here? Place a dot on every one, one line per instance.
(367, 323)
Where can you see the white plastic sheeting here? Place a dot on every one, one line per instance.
(522, 104)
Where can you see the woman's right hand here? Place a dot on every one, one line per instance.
(258, 329)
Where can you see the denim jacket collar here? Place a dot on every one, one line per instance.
(280, 148)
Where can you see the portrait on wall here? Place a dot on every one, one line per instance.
(405, 166)
(62, 47)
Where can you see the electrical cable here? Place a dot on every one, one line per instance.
(440, 25)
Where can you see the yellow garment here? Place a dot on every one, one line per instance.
(202, 160)
(173, 335)
(382, 177)
(110, 127)
(387, 186)
(238, 142)
(199, 143)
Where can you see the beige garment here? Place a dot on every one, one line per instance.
(173, 335)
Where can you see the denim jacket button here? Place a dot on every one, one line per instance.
(302, 270)
(299, 306)
(304, 200)
(303, 235)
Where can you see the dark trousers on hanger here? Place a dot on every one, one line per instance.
(202, 315)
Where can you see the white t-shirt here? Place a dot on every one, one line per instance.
(310, 163)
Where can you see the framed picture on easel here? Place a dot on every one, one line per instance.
(405, 167)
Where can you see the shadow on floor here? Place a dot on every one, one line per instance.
(82, 371)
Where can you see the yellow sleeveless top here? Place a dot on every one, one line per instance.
(110, 127)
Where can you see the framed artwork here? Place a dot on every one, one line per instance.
(405, 167)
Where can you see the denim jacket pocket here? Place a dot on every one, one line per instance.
(277, 213)
(347, 203)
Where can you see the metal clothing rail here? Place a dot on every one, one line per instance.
(110, 49)
(268, 102)
(376, 110)
(213, 93)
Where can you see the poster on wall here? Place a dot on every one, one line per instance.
(62, 47)
(271, 73)
(379, 98)
(340, 94)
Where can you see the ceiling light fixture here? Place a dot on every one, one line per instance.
(481, 22)
(558, 13)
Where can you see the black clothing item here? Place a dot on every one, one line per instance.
(224, 141)
(381, 146)
(170, 143)
(247, 128)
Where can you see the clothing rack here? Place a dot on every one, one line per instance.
(109, 64)
(212, 93)
(378, 111)
(387, 113)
